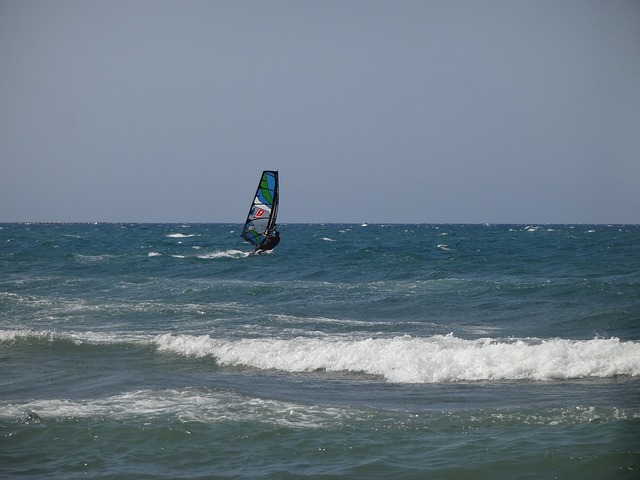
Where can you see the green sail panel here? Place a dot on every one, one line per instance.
(261, 220)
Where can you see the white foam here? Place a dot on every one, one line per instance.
(423, 360)
(224, 254)
(400, 359)
(11, 335)
(92, 258)
(76, 337)
(189, 404)
(181, 235)
(154, 254)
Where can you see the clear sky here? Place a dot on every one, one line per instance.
(380, 111)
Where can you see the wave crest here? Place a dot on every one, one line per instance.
(423, 360)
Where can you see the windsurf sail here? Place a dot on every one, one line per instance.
(261, 221)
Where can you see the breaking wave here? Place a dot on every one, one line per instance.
(401, 359)
(423, 360)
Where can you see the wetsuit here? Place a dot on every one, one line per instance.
(269, 243)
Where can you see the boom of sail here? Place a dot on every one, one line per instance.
(261, 221)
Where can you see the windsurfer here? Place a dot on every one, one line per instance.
(269, 243)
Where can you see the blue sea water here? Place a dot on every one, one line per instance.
(412, 351)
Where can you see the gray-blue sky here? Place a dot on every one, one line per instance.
(378, 111)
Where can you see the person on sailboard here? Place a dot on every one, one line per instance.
(269, 243)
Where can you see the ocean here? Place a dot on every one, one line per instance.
(352, 351)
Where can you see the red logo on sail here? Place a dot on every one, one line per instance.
(260, 212)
